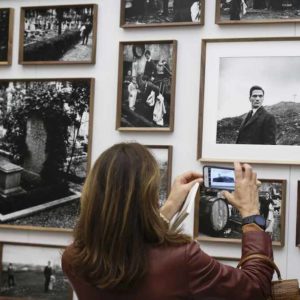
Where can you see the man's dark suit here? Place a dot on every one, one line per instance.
(259, 130)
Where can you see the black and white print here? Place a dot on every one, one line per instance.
(259, 11)
(61, 34)
(4, 33)
(147, 85)
(162, 12)
(44, 140)
(218, 219)
(33, 272)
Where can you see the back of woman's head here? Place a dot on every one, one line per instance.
(119, 217)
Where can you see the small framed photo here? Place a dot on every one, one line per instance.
(33, 272)
(218, 221)
(298, 217)
(257, 11)
(159, 13)
(163, 155)
(6, 33)
(146, 86)
(60, 34)
(45, 145)
(245, 114)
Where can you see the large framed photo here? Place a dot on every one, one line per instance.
(163, 155)
(153, 13)
(33, 272)
(45, 144)
(146, 87)
(61, 34)
(6, 33)
(246, 114)
(298, 217)
(216, 220)
(257, 11)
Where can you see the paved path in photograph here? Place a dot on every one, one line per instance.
(79, 52)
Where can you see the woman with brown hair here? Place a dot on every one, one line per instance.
(123, 248)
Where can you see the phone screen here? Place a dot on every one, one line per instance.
(218, 178)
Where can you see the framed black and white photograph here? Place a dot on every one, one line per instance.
(45, 144)
(298, 217)
(257, 11)
(6, 33)
(163, 155)
(33, 272)
(153, 13)
(146, 86)
(217, 220)
(246, 114)
(61, 34)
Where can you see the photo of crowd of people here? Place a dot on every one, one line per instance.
(147, 85)
(151, 12)
(58, 34)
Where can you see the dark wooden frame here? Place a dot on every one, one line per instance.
(89, 152)
(280, 243)
(56, 62)
(165, 24)
(243, 22)
(120, 87)
(298, 217)
(10, 38)
(70, 297)
(202, 93)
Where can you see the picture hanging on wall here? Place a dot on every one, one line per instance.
(146, 86)
(33, 272)
(61, 34)
(163, 155)
(218, 221)
(45, 144)
(298, 218)
(246, 114)
(153, 13)
(6, 33)
(257, 11)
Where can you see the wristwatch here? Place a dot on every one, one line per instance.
(256, 219)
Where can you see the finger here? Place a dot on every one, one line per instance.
(248, 171)
(254, 178)
(191, 184)
(229, 197)
(258, 183)
(238, 172)
(191, 175)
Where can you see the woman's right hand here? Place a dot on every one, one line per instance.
(245, 195)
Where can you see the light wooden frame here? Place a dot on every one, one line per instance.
(2, 244)
(242, 22)
(206, 238)
(57, 62)
(208, 158)
(298, 217)
(90, 136)
(10, 37)
(164, 24)
(120, 86)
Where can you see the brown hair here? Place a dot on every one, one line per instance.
(119, 218)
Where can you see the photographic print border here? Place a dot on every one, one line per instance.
(164, 24)
(120, 87)
(90, 138)
(10, 38)
(201, 125)
(280, 243)
(298, 217)
(245, 22)
(2, 244)
(56, 62)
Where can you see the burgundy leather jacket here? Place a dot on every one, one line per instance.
(186, 272)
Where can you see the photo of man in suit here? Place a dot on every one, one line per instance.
(259, 126)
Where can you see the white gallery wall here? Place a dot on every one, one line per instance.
(184, 137)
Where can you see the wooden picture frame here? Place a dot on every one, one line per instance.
(7, 17)
(154, 86)
(164, 161)
(55, 40)
(245, 61)
(25, 267)
(46, 142)
(217, 221)
(237, 12)
(298, 217)
(142, 16)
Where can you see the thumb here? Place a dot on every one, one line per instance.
(228, 196)
(191, 184)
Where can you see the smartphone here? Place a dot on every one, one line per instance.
(218, 178)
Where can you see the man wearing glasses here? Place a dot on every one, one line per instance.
(259, 126)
